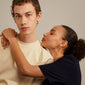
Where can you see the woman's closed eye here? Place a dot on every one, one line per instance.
(51, 33)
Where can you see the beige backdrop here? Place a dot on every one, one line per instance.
(54, 12)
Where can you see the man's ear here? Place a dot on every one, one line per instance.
(39, 16)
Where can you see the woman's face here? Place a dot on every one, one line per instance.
(54, 38)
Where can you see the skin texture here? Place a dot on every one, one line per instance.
(26, 20)
(53, 40)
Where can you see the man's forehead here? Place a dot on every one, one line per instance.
(28, 7)
(28, 12)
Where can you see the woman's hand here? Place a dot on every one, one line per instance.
(0, 35)
(7, 34)
(4, 42)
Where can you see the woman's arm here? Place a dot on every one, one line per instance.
(23, 65)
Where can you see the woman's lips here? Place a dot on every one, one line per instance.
(43, 39)
(25, 28)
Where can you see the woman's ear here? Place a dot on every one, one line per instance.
(64, 44)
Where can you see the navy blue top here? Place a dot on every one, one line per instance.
(65, 71)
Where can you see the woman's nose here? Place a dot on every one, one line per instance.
(45, 34)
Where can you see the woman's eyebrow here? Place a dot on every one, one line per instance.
(52, 30)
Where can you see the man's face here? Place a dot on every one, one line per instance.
(25, 17)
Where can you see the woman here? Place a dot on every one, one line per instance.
(66, 50)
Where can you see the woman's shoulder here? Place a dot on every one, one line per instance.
(70, 59)
(67, 60)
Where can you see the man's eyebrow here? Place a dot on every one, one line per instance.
(16, 13)
(24, 13)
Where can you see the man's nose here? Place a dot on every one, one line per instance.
(23, 21)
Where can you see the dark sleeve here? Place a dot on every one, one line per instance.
(53, 71)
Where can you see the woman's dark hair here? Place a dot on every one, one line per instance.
(75, 46)
(35, 3)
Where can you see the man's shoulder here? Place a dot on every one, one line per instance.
(45, 51)
(46, 56)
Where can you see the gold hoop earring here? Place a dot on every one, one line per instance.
(37, 22)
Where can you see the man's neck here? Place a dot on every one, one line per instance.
(27, 38)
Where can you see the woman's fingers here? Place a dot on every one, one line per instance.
(4, 42)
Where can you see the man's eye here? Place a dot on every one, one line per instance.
(28, 14)
(17, 16)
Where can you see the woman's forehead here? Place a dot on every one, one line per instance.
(58, 29)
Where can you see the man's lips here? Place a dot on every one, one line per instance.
(24, 28)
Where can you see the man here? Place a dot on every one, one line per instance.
(26, 14)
